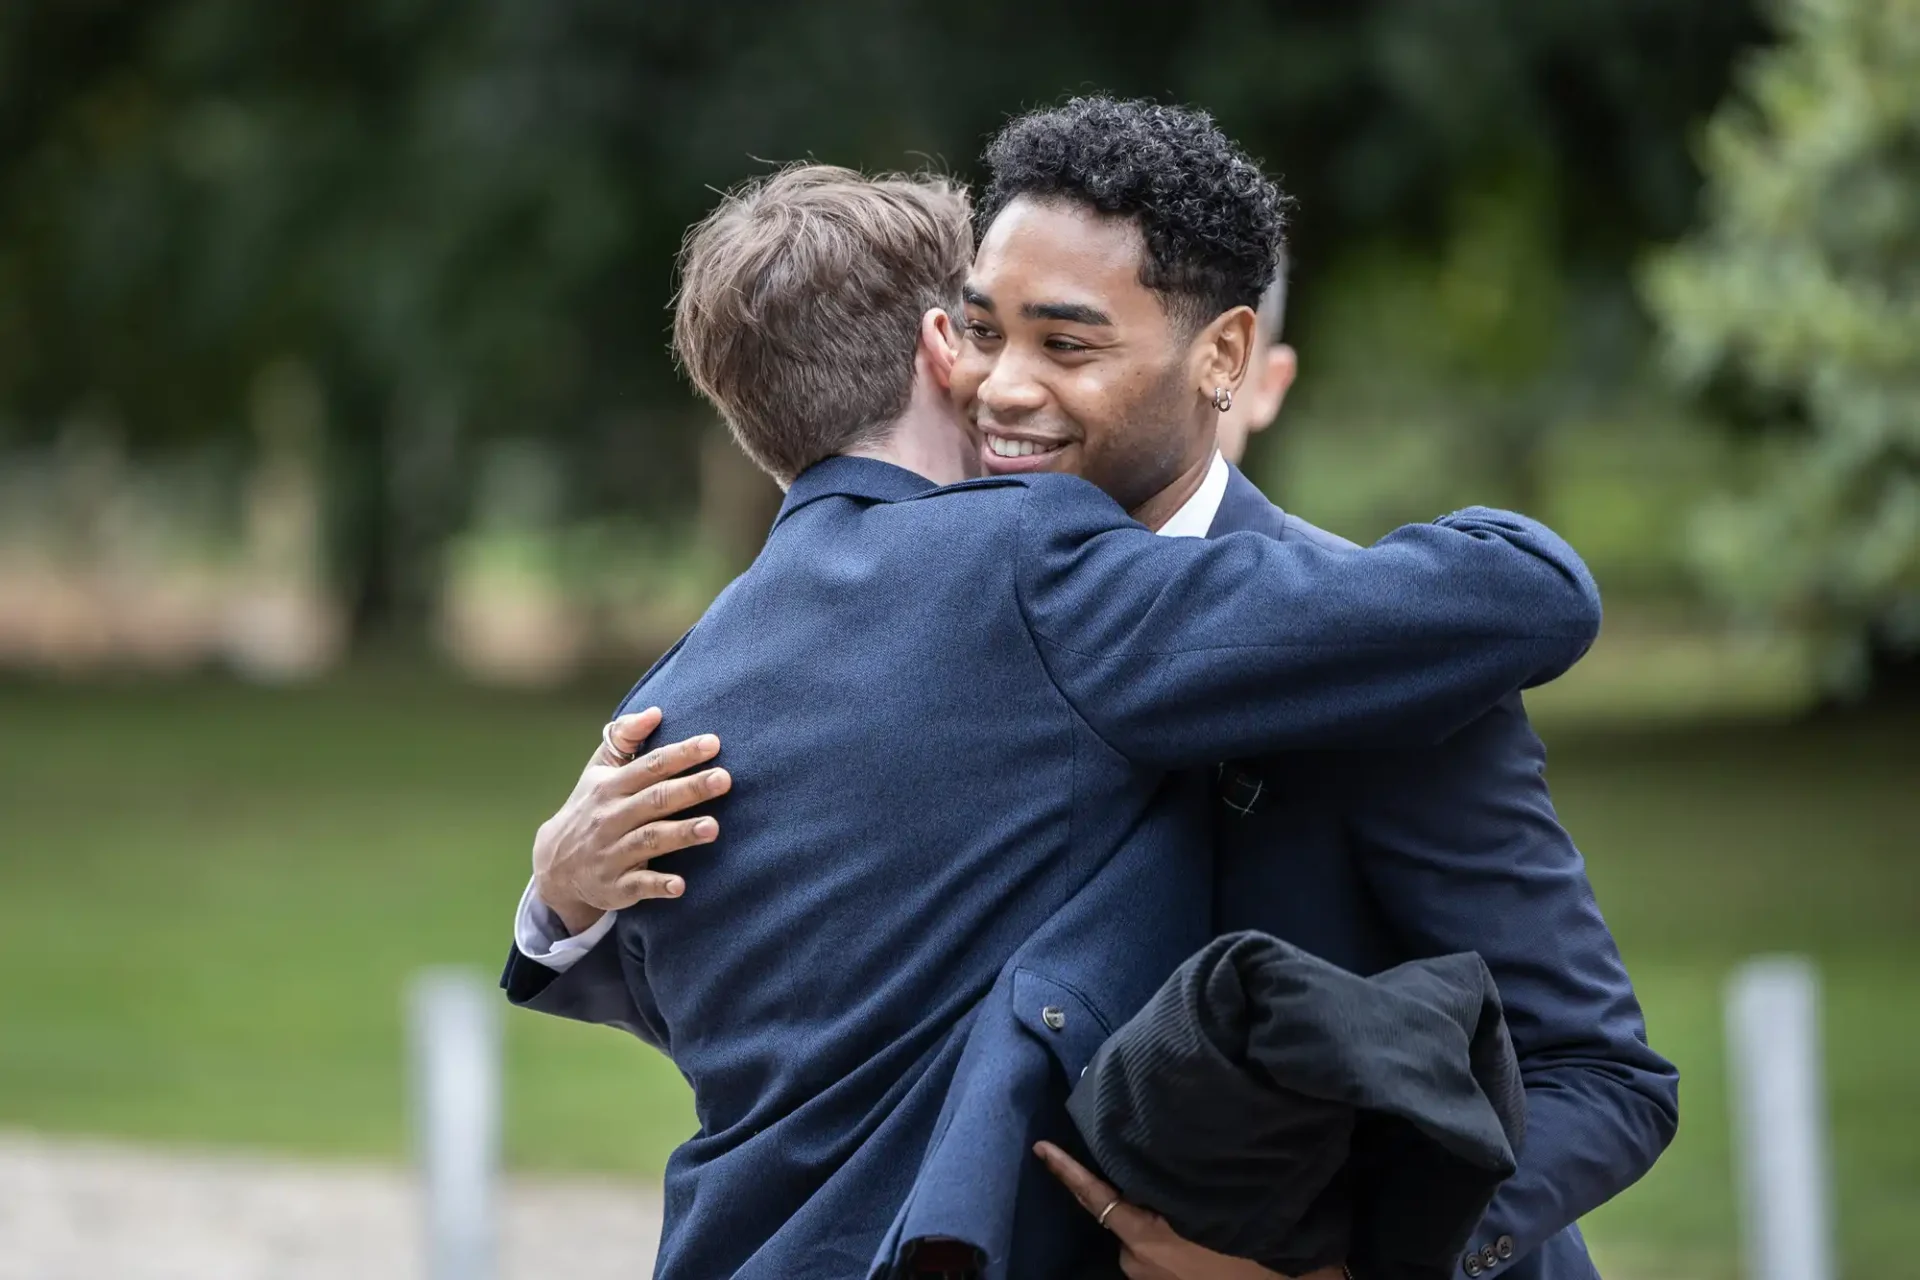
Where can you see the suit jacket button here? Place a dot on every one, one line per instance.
(1055, 1017)
(1489, 1259)
(1472, 1264)
(1504, 1247)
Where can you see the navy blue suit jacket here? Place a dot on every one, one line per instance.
(963, 709)
(1366, 859)
(1371, 859)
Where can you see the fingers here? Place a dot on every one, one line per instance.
(1096, 1196)
(654, 840)
(663, 799)
(624, 736)
(662, 763)
(640, 884)
(1093, 1194)
(1133, 1225)
(657, 839)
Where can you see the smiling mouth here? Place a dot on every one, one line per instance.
(1006, 447)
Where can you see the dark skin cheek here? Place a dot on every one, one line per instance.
(1142, 444)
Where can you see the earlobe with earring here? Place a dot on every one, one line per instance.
(1222, 399)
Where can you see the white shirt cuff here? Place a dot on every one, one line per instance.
(543, 939)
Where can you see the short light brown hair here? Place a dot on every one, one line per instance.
(800, 303)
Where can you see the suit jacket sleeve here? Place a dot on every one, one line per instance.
(1183, 651)
(1463, 852)
(595, 989)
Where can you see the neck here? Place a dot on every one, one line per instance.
(927, 440)
(1159, 509)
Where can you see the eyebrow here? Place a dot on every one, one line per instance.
(1067, 312)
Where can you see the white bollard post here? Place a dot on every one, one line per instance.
(1779, 1119)
(455, 1029)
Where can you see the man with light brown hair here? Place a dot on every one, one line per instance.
(801, 300)
(971, 715)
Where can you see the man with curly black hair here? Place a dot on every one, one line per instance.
(1110, 318)
(1151, 195)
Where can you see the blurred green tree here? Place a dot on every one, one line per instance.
(459, 216)
(1801, 296)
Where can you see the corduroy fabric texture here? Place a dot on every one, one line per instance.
(1276, 1107)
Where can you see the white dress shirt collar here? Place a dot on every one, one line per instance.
(1196, 514)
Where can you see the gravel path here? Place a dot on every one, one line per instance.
(86, 1210)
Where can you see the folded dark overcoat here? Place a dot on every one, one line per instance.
(1276, 1107)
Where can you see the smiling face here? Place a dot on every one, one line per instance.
(1067, 362)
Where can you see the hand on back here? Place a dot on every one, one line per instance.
(592, 856)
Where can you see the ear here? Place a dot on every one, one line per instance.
(1268, 384)
(939, 345)
(1222, 351)
(1283, 366)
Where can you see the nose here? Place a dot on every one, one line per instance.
(1010, 390)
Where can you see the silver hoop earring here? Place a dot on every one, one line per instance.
(1222, 399)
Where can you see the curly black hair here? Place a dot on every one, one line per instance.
(1214, 223)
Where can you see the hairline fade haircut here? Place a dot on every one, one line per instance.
(1214, 225)
(800, 299)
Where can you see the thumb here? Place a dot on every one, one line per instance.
(623, 737)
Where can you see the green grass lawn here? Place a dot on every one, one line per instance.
(210, 897)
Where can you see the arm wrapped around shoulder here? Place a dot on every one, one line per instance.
(1183, 651)
(1556, 593)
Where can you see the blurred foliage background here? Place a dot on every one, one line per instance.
(333, 356)
(363, 308)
